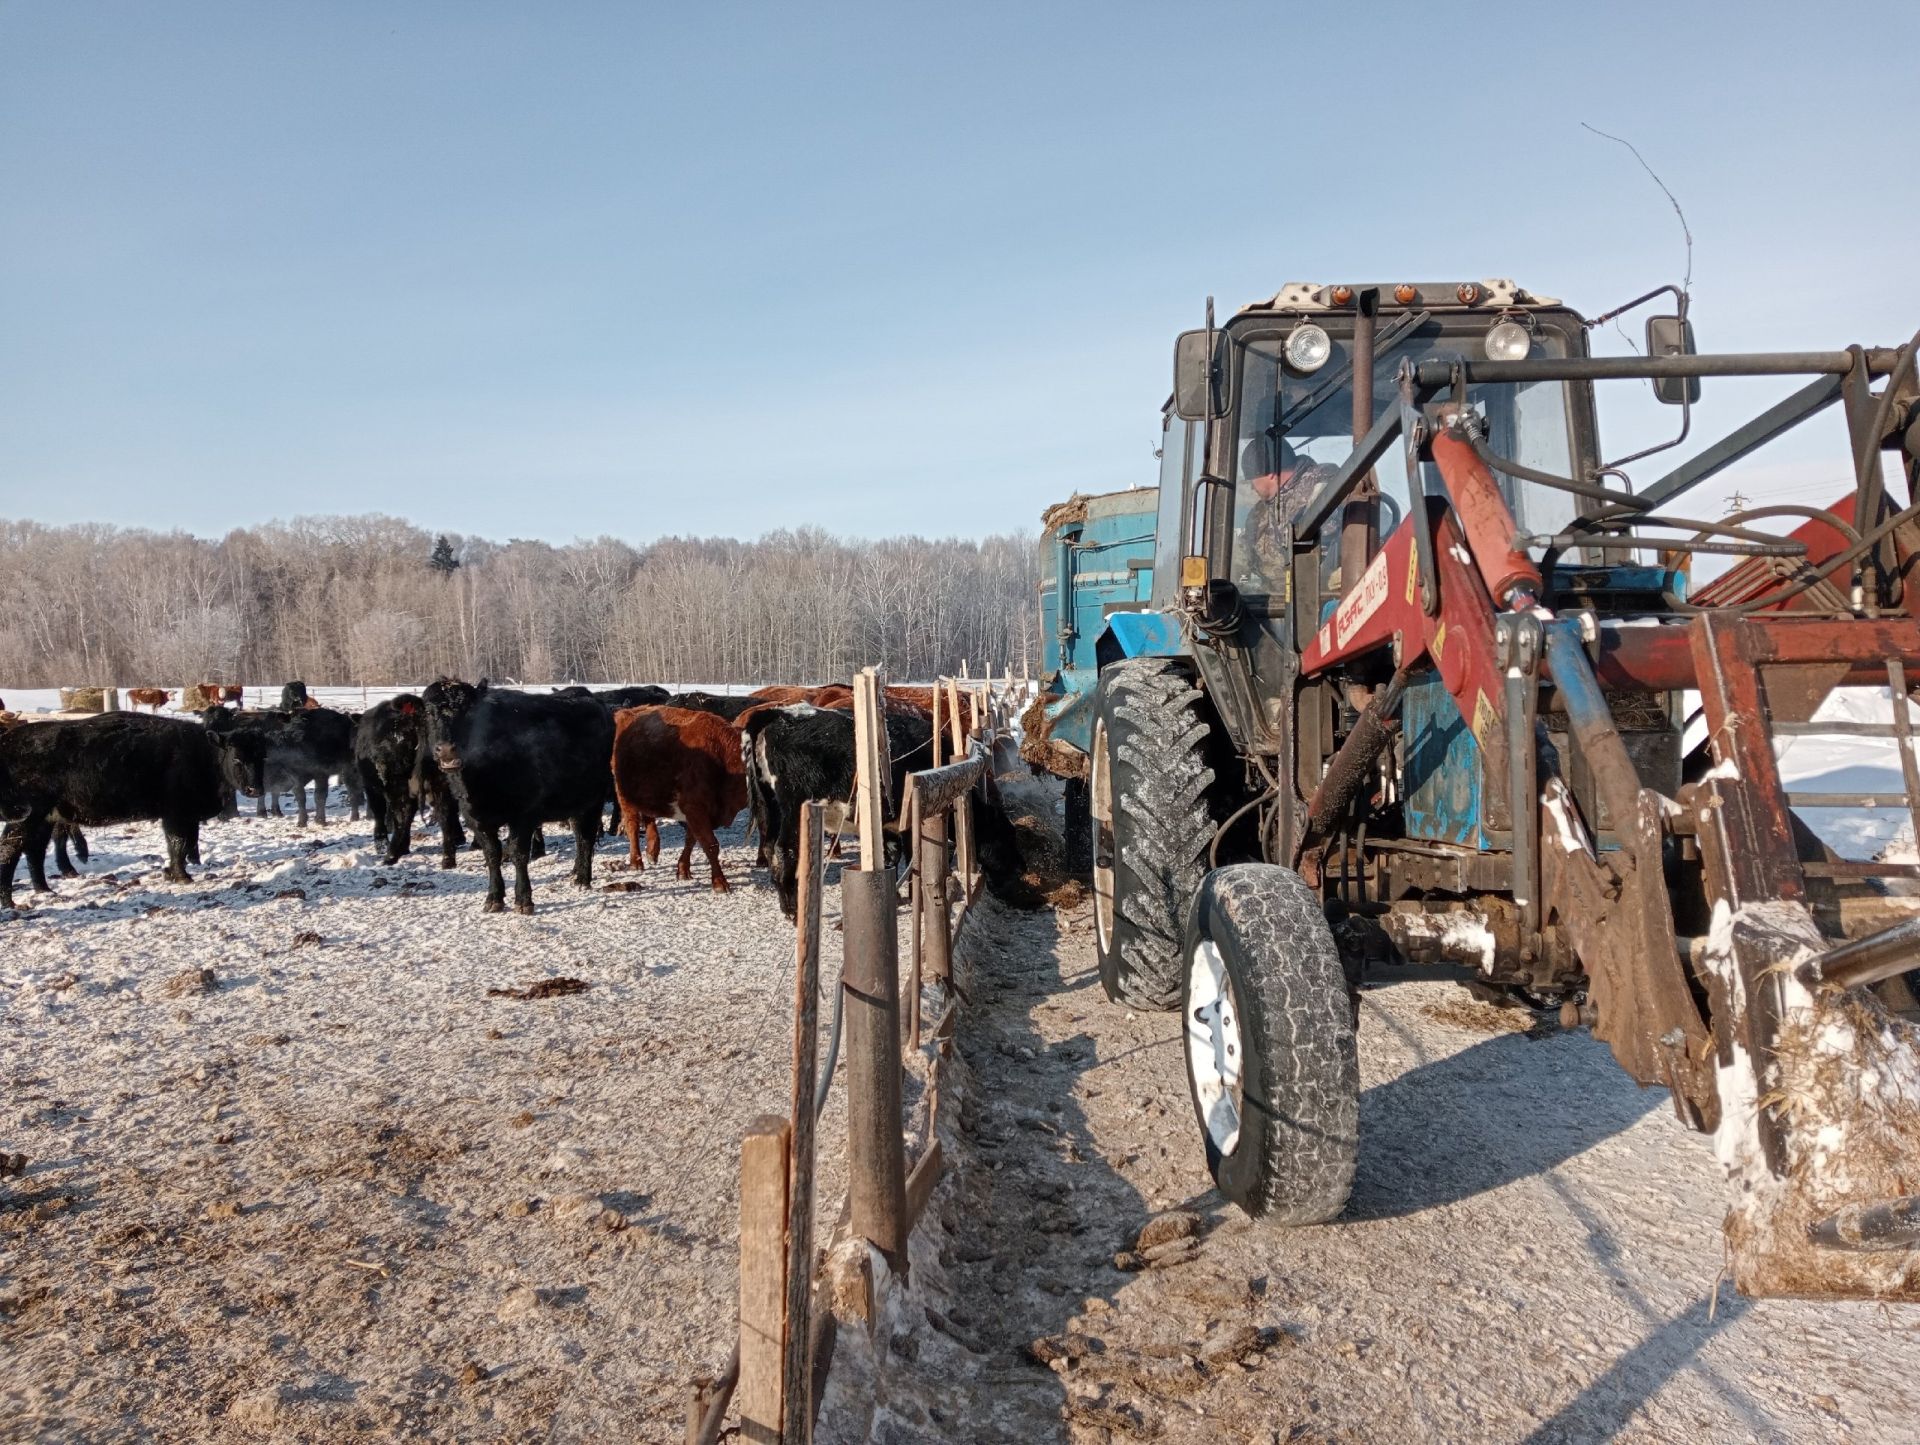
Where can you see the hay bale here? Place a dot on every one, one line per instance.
(1844, 1085)
(83, 699)
(196, 697)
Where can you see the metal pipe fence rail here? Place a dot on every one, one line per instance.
(788, 1321)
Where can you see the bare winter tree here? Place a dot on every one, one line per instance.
(372, 599)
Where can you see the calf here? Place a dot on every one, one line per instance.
(153, 697)
(517, 760)
(801, 753)
(390, 758)
(671, 762)
(293, 698)
(114, 768)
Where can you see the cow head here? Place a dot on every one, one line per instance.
(243, 761)
(445, 702)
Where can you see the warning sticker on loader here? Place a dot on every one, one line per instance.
(1365, 601)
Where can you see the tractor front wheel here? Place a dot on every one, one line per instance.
(1150, 793)
(1272, 1064)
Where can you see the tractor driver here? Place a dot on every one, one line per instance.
(1279, 492)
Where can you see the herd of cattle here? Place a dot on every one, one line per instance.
(482, 758)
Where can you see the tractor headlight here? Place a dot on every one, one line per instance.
(1308, 348)
(1508, 340)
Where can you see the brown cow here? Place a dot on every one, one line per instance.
(783, 695)
(671, 762)
(153, 697)
(234, 693)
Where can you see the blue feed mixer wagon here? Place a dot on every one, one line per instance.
(1097, 577)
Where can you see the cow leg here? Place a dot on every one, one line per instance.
(786, 871)
(354, 794)
(399, 827)
(61, 861)
(653, 841)
(586, 831)
(685, 871)
(452, 835)
(630, 820)
(80, 849)
(39, 831)
(496, 885)
(193, 843)
(537, 842)
(520, 841)
(176, 855)
(322, 785)
(711, 844)
(377, 810)
(12, 840)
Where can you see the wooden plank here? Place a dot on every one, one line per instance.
(962, 820)
(763, 1278)
(920, 1183)
(931, 915)
(797, 1363)
(871, 771)
(916, 902)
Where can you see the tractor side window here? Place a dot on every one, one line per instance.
(1177, 444)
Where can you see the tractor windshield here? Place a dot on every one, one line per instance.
(1287, 429)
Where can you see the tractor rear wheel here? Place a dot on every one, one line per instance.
(1272, 1064)
(1150, 789)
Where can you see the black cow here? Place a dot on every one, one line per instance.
(800, 753)
(729, 708)
(115, 768)
(517, 760)
(396, 774)
(289, 750)
(293, 697)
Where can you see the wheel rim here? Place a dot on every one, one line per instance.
(1215, 1058)
(1100, 804)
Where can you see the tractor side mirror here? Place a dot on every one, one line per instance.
(1672, 336)
(1197, 392)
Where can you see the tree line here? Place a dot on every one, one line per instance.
(375, 600)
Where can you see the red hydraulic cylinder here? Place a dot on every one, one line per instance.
(1485, 519)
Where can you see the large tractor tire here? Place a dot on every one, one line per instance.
(1152, 824)
(1272, 1065)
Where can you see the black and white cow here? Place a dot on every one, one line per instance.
(515, 760)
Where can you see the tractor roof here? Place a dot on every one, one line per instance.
(1495, 293)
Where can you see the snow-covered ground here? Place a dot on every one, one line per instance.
(337, 1185)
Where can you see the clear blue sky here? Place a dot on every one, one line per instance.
(558, 269)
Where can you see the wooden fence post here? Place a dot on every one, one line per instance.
(763, 1278)
(876, 1148)
(930, 844)
(797, 1367)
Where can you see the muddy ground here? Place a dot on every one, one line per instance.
(337, 1187)
(1532, 1252)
